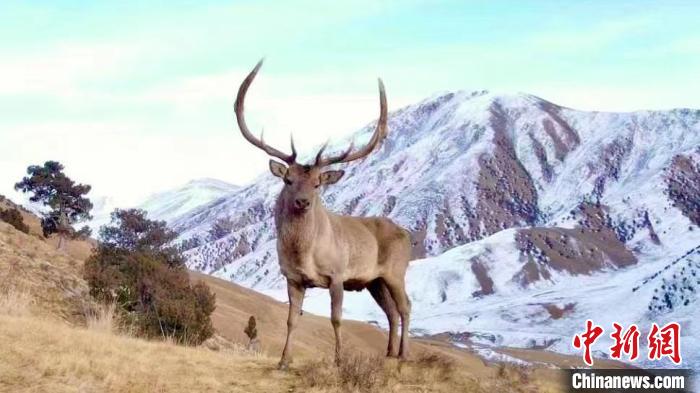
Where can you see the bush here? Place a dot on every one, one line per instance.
(157, 299)
(13, 217)
(148, 281)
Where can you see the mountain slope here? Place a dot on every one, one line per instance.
(172, 204)
(510, 200)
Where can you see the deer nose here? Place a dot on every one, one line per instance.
(301, 203)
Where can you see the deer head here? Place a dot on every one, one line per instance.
(302, 181)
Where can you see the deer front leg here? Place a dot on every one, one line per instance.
(336, 290)
(296, 296)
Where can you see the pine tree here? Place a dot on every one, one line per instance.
(51, 187)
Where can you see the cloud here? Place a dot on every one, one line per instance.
(591, 38)
(277, 102)
(60, 71)
(119, 160)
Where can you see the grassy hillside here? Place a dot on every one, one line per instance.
(41, 355)
(53, 278)
(51, 341)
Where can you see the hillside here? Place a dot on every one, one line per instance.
(45, 341)
(512, 201)
(39, 355)
(52, 277)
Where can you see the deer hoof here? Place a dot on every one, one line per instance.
(392, 353)
(283, 365)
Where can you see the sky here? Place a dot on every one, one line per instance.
(135, 98)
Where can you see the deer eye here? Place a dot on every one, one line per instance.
(317, 185)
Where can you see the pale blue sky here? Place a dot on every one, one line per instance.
(106, 85)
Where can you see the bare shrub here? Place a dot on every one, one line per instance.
(319, 374)
(362, 371)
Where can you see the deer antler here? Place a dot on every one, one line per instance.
(377, 138)
(259, 143)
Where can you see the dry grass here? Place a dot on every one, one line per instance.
(361, 372)
(15, 302)
(222, 344)
(102, 318)
(517, 377)
(45, 355)
(48, 355)
(53, 278)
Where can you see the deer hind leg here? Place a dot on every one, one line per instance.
(403, 304)
(336, 290)
(380, 293)
(296, 296)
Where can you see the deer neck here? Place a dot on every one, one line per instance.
(297, 231)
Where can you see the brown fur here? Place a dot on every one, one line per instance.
(318, 248)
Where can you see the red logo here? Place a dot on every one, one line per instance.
(665, 341)
(662, 341)
(627, 343)
(588, 337)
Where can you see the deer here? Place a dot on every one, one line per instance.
(317, 248)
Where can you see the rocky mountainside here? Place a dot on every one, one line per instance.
(511, 200)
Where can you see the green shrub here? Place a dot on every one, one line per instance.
(148, 281)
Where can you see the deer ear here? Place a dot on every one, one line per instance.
(278, 169)
(331, 177)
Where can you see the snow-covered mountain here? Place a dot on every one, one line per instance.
(172, 204)
(527, 218)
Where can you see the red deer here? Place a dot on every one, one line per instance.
(318, 248)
